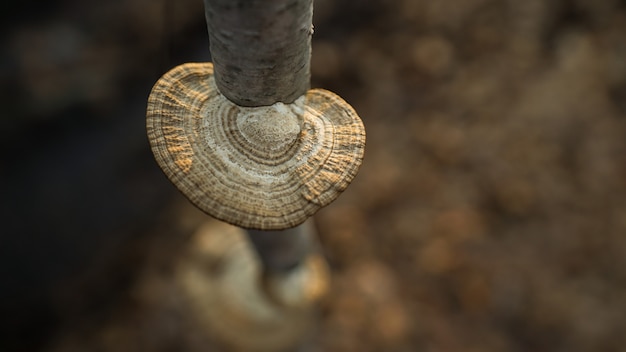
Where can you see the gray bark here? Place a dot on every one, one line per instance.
(260, 49)
(281, 251)
(261, 53)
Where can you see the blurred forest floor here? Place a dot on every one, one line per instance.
(489, 213)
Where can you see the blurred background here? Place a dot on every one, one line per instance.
(489, 213)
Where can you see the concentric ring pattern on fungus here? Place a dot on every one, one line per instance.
(266, 168)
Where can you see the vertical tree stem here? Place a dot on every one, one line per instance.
(260, 49)
(281, 251)
(261, 53)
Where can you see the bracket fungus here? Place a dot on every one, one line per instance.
(268, 167)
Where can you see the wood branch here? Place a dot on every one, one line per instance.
(281, 251)
(260, 49)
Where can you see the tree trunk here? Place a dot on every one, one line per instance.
(261, 53)
(260, 49)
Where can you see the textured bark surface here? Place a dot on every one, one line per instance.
(261, 49)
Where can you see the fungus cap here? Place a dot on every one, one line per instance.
(267, 168)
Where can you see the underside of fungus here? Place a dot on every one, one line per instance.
(267, 168)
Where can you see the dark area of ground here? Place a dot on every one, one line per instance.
(489, 213)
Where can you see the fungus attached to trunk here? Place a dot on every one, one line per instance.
(244, 138)
(268, 167)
